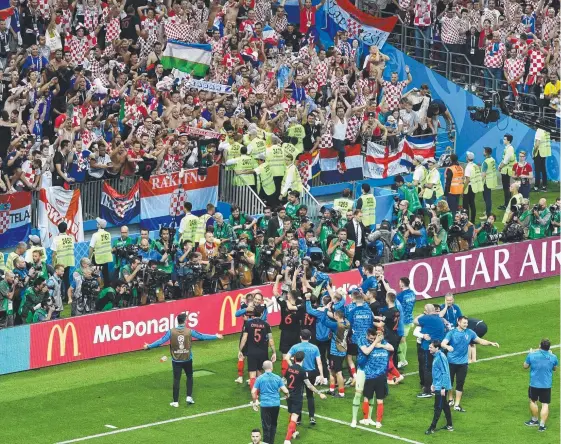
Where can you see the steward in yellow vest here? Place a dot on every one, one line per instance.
(474, 181)
(344, 203)
(100, 244)
(509, 157)
(189, 225)
(274, 155)
(264, 176)
(63, 247)
(244, 167)
(367, 203)
(433, 185)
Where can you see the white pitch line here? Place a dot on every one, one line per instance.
(378, 432)
(109, 426)
(492, 358)
(229, 409)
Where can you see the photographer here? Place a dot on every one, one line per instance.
(555, 225)
(326, 229)
(55, 285)
(293, 204)
(45, 311)
(165, 246)
(119, 248)
(341, 252)
(117, 296)
(265, 264)
(539, 220)
(399, 243)
(84, 293)
(437, 238)
(486, 234)
(38, 267)
(31, 299)
(223, 230)
(8, 288)
(417, 242)
(244, 261)
(403, 213)
(189, 271)
(460, 235)
(408, 193)
(147, 253)
(282, 233)
(223, 270)
(241, 222)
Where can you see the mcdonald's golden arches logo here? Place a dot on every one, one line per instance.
(62, 335)
(233, 303)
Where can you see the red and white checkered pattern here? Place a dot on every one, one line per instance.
(423, 9)
(262, 10)
(514, 68)
(182, 31)
(321, 71)
(353, 127)
(495, 55)
(491, 15)
(79, 47)
(91, 19)
(177, 201)
(392, 92)
(353, 27)
(44, 10)
(450, 31)
(4, 221)
(279, 24)
(512, 8)
(550, 27)
(537, 64)
(326, 139)
(150, 25)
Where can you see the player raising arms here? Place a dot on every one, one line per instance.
(290, 319)
(338, 349)
(374, 356)
(296, 378)
(457, 343)
(257, 335)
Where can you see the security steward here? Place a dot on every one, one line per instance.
(180, 339)
(63, 253)
(367, 203)
(454, 185)
(344, 203)
(100, 248)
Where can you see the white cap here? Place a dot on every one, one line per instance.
(419, 158)
(101, 222)
(470, 155)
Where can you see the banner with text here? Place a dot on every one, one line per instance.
(162, 197)
(15, 218)
(58, 205)
(125, 330)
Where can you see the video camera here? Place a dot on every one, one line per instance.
(128, 252)
(334, 216)
(90, 287)
(487, 114)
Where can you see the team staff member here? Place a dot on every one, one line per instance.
(449, 311)
(505, 168)
(457, 342)
(376, 352)
(440, 385)
(523, 172)
(63, 252)
(296, 378)
(180, 339)
(100, 249)
(267, 388)
(311, 365)
(542, 363)
(257, 335)
(188, 225)
(432, 328)
(489, 176)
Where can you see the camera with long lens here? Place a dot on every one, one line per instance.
(128, 252)
(17, 282)
(154, 277)
(553, 209)
(494, 238)
(431, 230)
(293, 262)
(343, 244)
(90, 288)
(455, 230)
(334, 216)
(536, 207)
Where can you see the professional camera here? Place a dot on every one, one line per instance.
(154, 277)
(431, 230)
(513, 232)
(495, 238)
(417, 225)
(128, 252)
(266, 254)
(488, 114)
(455, 230)
(334, 216)
(553, 209)
(402, 228)
(17, 282)
(90, 287)
(293, 262)
(536, 207)
(343, 244)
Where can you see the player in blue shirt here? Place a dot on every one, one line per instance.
(449, 311)
(311, 365)
(440, 385)
(542, 363)
(432, 328)
(360, 316)
(180, 340)
(374, 358)
(367, 274)
(338, 350)
(457, 342)
(267, 388)
(407, 299)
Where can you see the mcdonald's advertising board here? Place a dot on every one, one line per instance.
(119, 331)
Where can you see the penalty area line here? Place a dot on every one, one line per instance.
(492, 358)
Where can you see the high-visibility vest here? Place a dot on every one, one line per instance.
(343, 205)
(544, 147)
(2, 263)
(457, 185)
(475, 181)
(275, 158)
(424, 174)
(296, 183)
(509, 168)
(491, 173)
(297, 131)
(368, 209)
(233, 153)
(201, 228)
(102, 247)
(433, 178)
(518, 198)
(265, 176)
(256, 147)
(64, 245)
(291, 149)
(244, 163)
(188, 227)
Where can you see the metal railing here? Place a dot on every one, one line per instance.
(243, 196)
(310, 201)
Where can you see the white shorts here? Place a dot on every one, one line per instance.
(360, 378)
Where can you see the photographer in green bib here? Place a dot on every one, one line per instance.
(118, 247)
(486, 233)
(555, 225)
(437, 238)
(407, 192)
(540, 220)
(31, 299)
(293, 204)
(327, 228)
(241, 222)
(341, 252)
(473, 185)
(367, 203)
(100, 248)
(489, 177)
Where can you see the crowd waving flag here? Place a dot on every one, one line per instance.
(381, 162)
(15, 218)
(331, 168)
(58, 205)
(192, 58)
(117, 208)
(162, 197)
(369, 30)
(6, 9)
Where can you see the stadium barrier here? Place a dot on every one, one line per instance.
(107, 333)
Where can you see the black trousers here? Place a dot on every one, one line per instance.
(453, 202)
(426, 358)
(505, 178)
(357, 256)
(394, 341)
(323, 354)
(487, 199)
(420, 355)
(469, 204)
(269, 419)
(310, 395)
(441, 403)
(540, 171)
(178, 368)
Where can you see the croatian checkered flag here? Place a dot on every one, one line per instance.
(353, 27)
